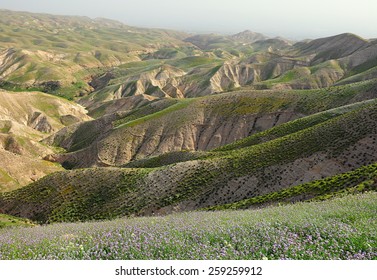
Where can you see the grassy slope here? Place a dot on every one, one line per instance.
(342, 228)
(360, 180)
(106, 193)
(255, 139)
(9, 221)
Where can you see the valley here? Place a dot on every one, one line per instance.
(104, 121)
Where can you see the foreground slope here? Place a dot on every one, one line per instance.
(336, 145)
(343, 228)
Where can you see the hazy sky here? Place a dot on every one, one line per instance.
(295, 19)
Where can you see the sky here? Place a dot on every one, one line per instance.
(292, 19)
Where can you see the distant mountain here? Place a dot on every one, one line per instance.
(248, 36)
(332, 47)
(101, 60)
(211, 41)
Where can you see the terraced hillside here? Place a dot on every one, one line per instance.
(335, 145)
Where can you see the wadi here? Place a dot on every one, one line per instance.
(252, 146)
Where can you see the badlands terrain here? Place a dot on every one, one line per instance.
(100, 120)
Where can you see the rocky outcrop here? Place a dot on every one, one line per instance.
(160, 82)
(38, 121)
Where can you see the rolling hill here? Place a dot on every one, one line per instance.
(192, 124)
(172, 122)
(335, 145)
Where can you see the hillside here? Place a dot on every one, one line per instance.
(99, 60)
(197, 124)
(39, 49)
(342, 228)
(162, 121)
(321, 150)
(267, 64)
(25, 119)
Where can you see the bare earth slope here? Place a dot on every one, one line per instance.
(191, 124)
(25, 119)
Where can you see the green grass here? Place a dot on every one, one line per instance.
(342, 228)
(293, 126)
(96, 194)
(5, 179)
(361, 180)
(10, 221)
(175, 107)
(194, 61)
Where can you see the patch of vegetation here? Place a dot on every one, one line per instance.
(293, 126)
(361, 180)
(94, 194)
(137, 121)
(7, 221)
(194, 61)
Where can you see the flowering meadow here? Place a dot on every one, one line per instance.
(342, 228)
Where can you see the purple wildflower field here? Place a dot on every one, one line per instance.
(342, 228)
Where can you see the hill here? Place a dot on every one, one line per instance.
(248, 36)
(25, 119)
(99, 60)
(179, 121)
(40, 49)
(336, 145)
(192, 124)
